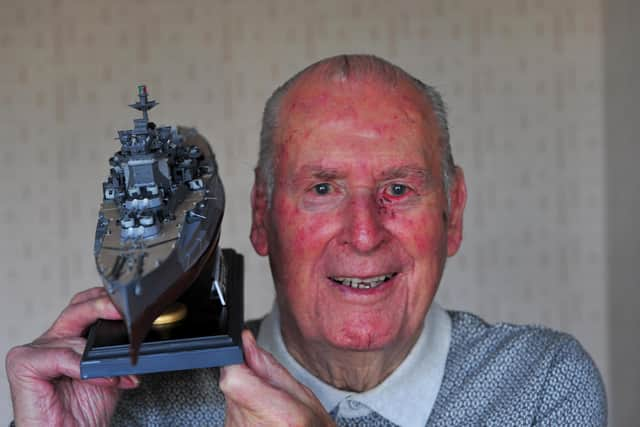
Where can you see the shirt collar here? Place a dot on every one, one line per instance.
(405, 398)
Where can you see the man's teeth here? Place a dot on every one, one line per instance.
(360, 283)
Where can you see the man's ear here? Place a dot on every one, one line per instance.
(458, 194)
(259, 207)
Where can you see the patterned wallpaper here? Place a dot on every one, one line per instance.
(522, 78)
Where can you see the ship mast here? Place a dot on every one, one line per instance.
(144, 104)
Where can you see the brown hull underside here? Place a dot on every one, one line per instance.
(140, 327)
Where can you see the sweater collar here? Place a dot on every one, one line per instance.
(405, 398)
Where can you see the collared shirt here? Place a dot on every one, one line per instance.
(405, 398)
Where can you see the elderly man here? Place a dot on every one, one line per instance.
(358, 204)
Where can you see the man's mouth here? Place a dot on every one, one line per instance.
(362, 282)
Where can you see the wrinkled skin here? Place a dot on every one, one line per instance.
(358, 194)
(44, 375)
(283, 400)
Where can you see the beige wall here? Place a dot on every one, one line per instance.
(523, 80)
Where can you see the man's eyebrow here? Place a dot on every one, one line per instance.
(318, 172)
(402, 172)
(329, 174)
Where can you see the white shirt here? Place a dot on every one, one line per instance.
(405, 398)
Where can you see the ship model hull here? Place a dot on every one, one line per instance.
(159, 225)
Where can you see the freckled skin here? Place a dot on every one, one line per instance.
(354, 133)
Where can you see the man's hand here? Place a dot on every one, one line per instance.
(44, 376)
(262, 392)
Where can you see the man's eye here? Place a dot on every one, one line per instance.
(397, 189)
(322, 189)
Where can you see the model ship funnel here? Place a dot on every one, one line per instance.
(159, 221)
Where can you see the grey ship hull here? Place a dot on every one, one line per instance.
(144, 275)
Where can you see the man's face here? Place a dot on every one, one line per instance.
(358, 230)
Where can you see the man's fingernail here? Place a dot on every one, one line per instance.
(250, 339)
(134, 379)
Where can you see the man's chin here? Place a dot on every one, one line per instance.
(362, 338)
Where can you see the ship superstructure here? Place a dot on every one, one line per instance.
(159, 221)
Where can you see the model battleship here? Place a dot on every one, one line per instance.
(158, 231)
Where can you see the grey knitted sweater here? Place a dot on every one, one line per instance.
(499, 375)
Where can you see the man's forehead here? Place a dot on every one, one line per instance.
(330, 99)
(351, 115)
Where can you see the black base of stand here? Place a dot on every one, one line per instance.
(209, 336)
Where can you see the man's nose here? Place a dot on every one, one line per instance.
(364, 228)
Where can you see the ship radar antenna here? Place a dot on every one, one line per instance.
(144, 104)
